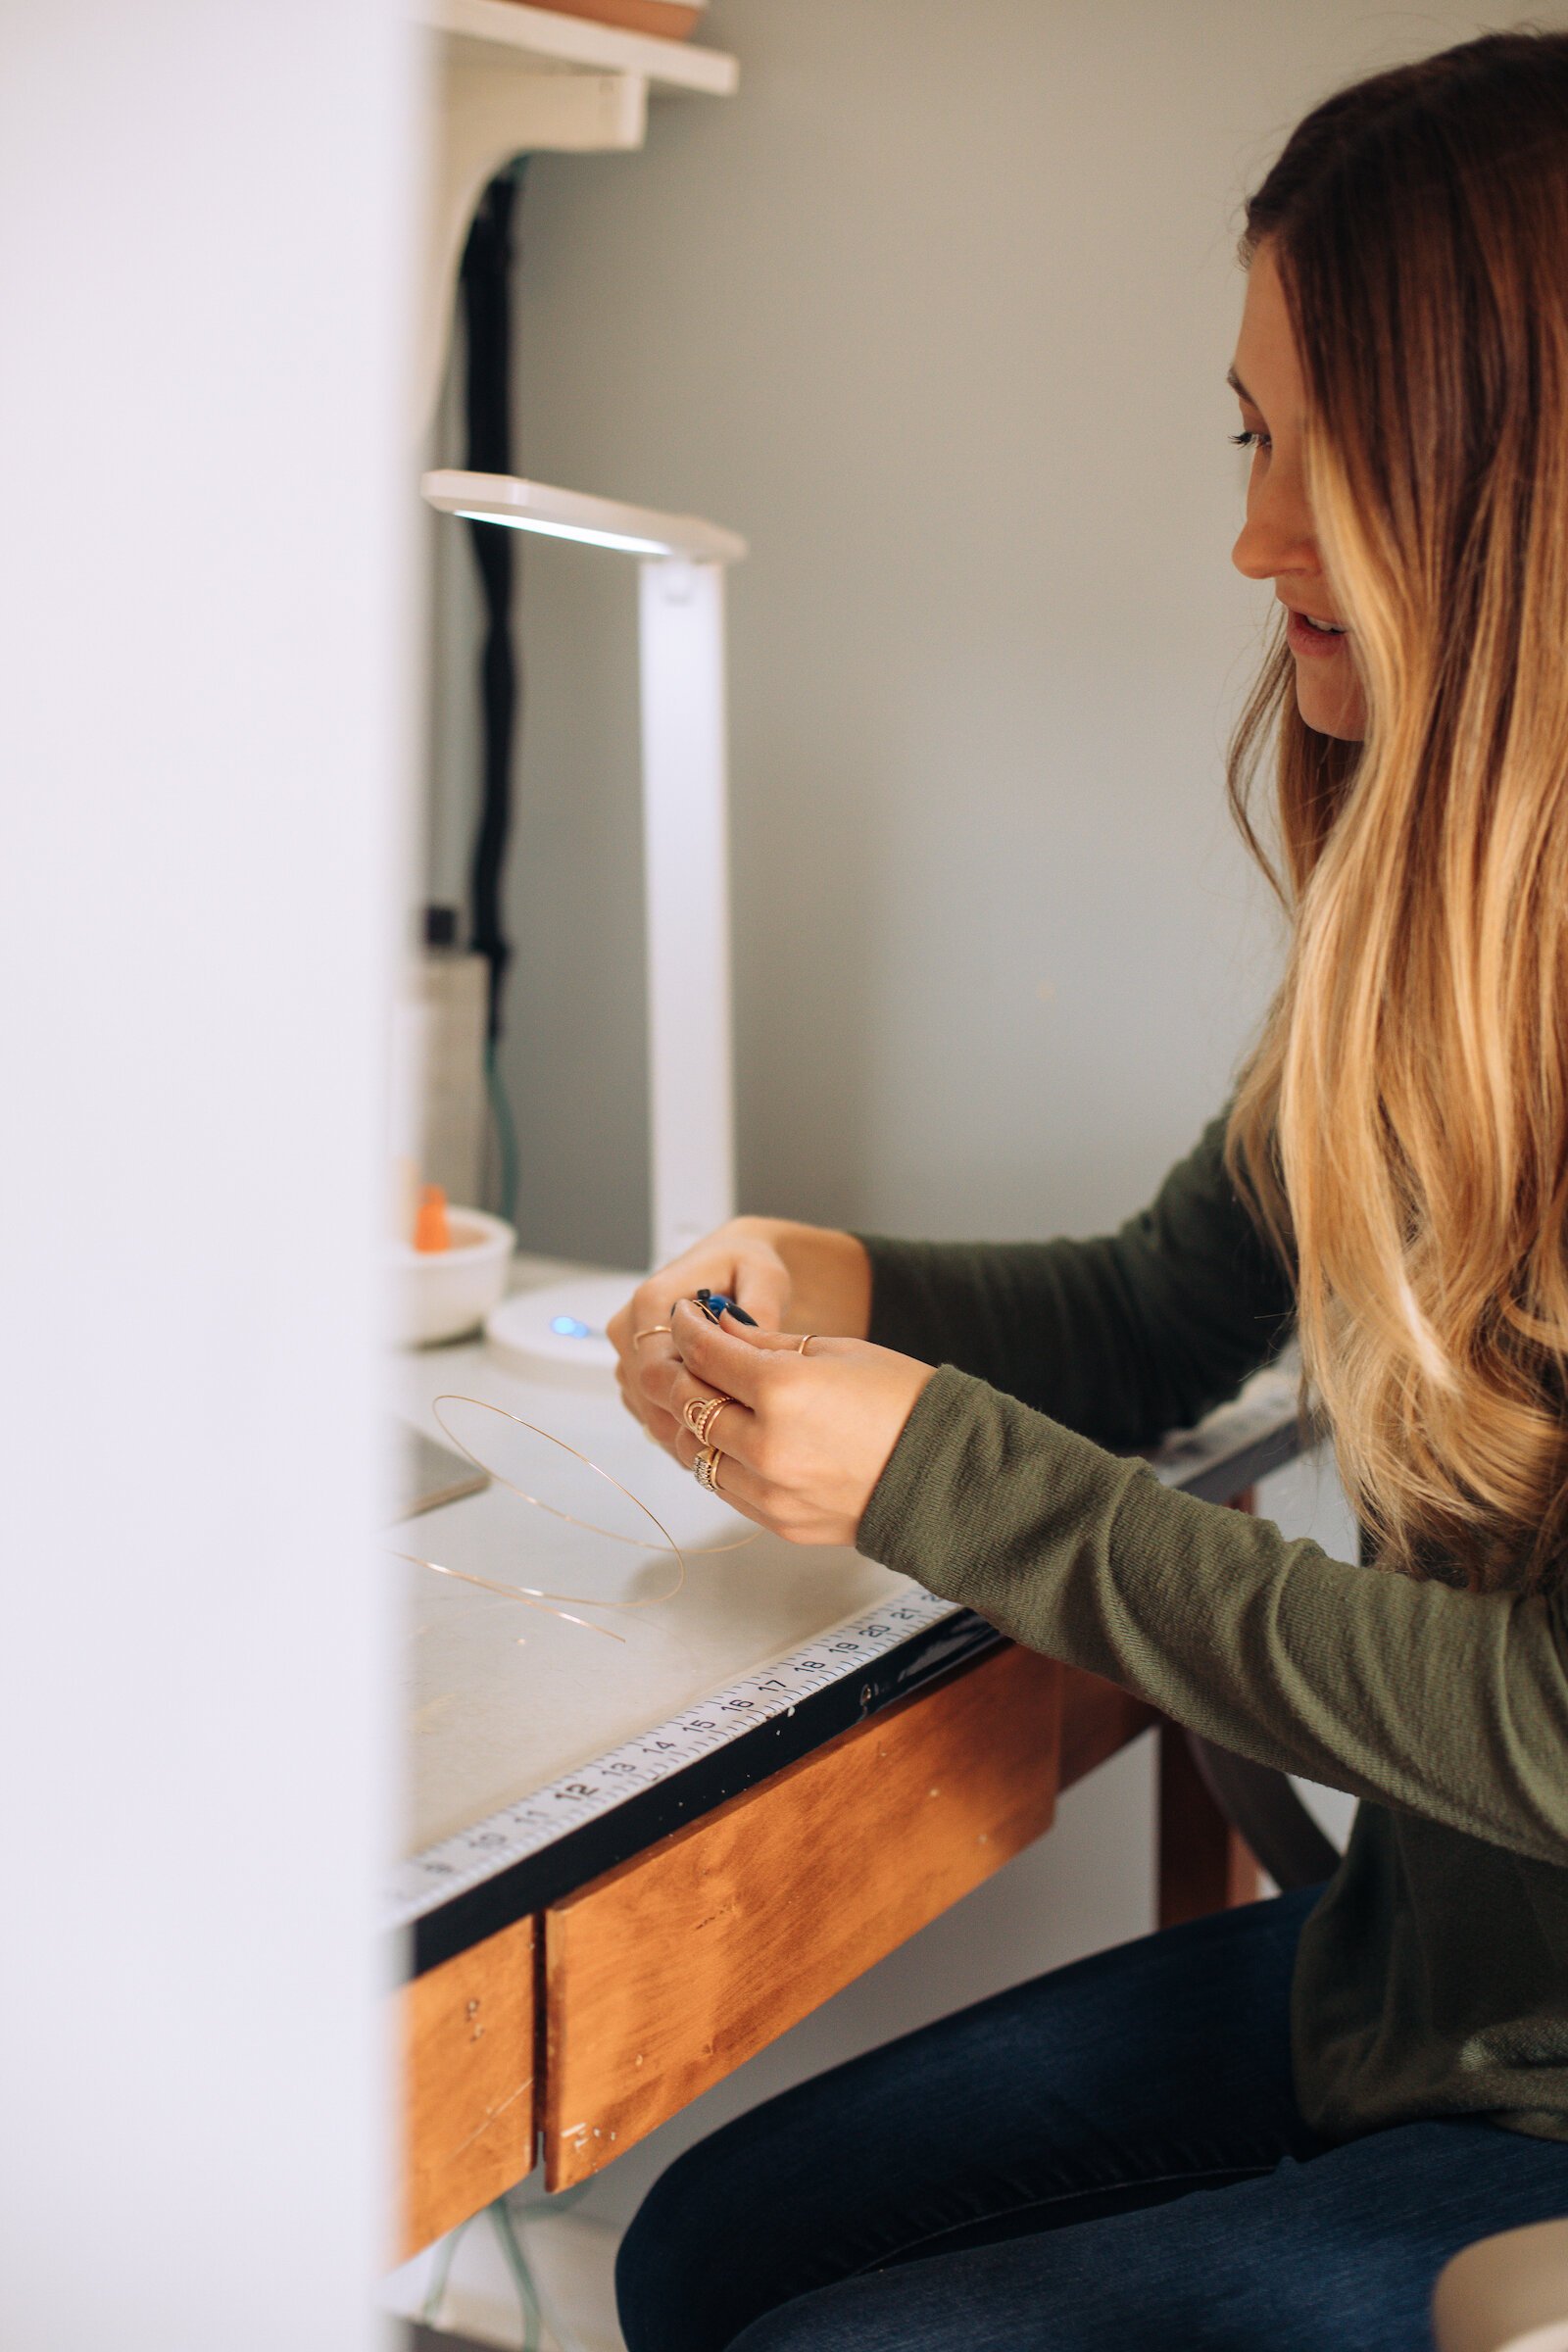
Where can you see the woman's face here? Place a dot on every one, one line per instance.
(1278, 542)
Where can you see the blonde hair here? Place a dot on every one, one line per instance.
(1402, 1125)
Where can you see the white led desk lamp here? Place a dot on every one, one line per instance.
(686, 865)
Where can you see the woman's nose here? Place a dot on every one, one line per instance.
(1277, 537)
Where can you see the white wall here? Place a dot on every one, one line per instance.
(202, 245)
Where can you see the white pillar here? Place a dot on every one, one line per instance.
(203, 397)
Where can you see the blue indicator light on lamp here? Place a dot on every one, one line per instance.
(567, 1327)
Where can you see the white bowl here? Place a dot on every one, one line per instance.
(440, 1293)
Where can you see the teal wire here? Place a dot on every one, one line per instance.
(528, 2294)
(505, 1133)
(440, 2273)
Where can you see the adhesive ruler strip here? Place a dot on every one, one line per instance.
(443, 1872)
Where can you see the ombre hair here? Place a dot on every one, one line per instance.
(1402, 1124)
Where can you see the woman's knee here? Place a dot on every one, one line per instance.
(653, 2267)
(675, 2283)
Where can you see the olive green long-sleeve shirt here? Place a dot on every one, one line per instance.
(1433, 1976)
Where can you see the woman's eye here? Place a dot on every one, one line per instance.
(1252, 438)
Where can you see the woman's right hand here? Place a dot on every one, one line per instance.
(788, 1277)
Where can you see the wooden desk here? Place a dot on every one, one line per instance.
(570, 1991)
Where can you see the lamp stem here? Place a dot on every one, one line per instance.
(686, 866)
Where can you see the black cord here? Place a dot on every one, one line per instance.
(486, 294)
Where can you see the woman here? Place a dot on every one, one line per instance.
(1366, 2082)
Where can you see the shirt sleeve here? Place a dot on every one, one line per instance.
(1450, 1705)
(1121, 1338)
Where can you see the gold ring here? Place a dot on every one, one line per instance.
(706, 1428)
(805, 1343)
(652, 1332)
(705, 1469)
(702, 1412)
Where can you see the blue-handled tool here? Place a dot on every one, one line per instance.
(715, 1303)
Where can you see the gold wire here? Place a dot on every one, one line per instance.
(590, 1526)
(531, 1595)
(529, 1599)
(669, 1544)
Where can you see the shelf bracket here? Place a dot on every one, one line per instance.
(486, 110)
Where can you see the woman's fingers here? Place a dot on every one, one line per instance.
(760, 1284)
(737, 1483)
(733, 1426)
(817, 1429)
(638, 1324)
(642, 1371)
(740, 1263)
(756, 1498)
(658, 1424)
(744, 1366)
(741, 1266)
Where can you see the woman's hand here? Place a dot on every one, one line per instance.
(803, 1437)
(808, 1277)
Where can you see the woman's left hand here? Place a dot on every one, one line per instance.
(803, 1437)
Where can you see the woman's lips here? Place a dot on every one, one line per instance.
(1312, 644)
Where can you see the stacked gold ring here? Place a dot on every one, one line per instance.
(705, 1469)
(652, 1332)
(700, 1414)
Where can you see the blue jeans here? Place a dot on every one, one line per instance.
(1108, 2159)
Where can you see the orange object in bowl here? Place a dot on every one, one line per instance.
(431, 1232)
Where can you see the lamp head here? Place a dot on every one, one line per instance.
(505, 498)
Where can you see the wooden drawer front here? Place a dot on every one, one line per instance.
(469, 2093)
(666, 1973)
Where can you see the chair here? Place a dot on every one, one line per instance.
(1263, 1805)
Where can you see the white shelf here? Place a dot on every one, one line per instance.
(557, 44)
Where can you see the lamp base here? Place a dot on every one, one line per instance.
(562, 1327)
